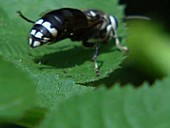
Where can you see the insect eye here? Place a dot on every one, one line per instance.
(113, 21)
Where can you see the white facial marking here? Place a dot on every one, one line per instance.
(33, 32)
(53, 31)
(109, 33)
(36, 43)
(39, 35)
(109, 28)
(40, 21)
(113, 22)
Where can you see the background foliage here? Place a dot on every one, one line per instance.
(56, 86)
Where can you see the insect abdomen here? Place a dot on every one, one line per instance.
(67, 21)
(57, 25)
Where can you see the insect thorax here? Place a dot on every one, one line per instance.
(102, 25)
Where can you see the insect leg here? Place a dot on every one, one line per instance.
(119, 46)
(25, 18)
(95, 60)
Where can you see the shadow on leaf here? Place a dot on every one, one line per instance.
(71, 57)
(65, 59)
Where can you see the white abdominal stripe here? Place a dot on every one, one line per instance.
(34, 43)
(47, 25)
(41, 33)
(37, 39)
(36, 34)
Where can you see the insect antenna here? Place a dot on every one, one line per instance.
(136, 17)
(25, 18)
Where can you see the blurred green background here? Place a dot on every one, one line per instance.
(148, 60)
(148, 41)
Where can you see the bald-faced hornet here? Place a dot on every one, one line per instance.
(91, 27)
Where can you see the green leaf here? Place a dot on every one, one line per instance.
(57, 69)
(145, 107)
(67, 59)
(32, 117)
(17, 92)
(54, 89)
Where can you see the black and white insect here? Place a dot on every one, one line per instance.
(91, 27)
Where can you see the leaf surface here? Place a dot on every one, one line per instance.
(126, 107)
(17, 91)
